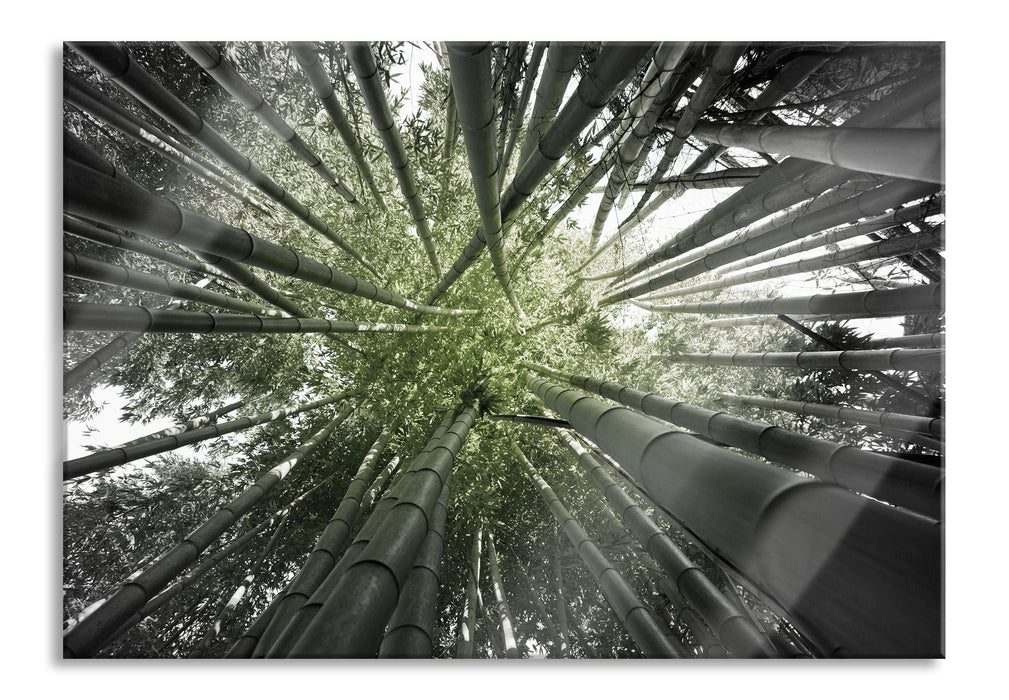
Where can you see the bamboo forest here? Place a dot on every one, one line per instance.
(503, 350)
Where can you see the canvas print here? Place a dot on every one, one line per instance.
(503, 350)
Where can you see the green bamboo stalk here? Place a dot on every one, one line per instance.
(510, 72)
(121, 68)
(915, 154)
(936, 427)
(309, 61)
(504, 614)
(362, 61)
(736, 632)
(87, 268)
(351, 621)
(330, 544)
(79, 316)
(296, 625)
(535, 58)
(561, 59)
(560, 608)
(191, 424)
(108, 200)
(860, 578)
(914, 359)
(211, 61)
(471, 82)
(106, 459)
(923, 298)
(411, 627)
(90, 635)
(895, 480)
(610, 72)
(633, 615)
(467, 618)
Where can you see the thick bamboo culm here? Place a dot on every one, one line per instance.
(915, 154)
(923, 298)
(111, 201)
(120, 67)
(917, 340)
(633, 615)
(532, 69)
(561, 59)
(252, 283)
(474, 95)
(91, 634)
(736, 631)
(606, 75)
(858, 577)
(80, 316)
(105, 459)
(351, 621)
(362, 61)
(211, 60)
(936, 427)
(308, 59)
(913, 359)
(902, 482)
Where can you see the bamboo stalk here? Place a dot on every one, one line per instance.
(915, 359)
(504, 614)
(560, 64)
(467, 618)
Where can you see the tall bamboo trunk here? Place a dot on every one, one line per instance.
(87, 638)
(504, 614)
(191, 424)
(467, 619)
(535, 58)
(919, 340)
(914, 359)
(633, 615)
(859, 577)
(560, 63)
(362, 61)
(560, 608)
(120, 67)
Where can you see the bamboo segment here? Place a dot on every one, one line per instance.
(562, 57)
(504, 614)
(609, 73)
(83, 369)
(730, 177)
(859, 577)
(535, 58)
(351, 621)
(471, 83)
(105, 459)
(915, 359)
(633, 615)
(363, 62)
(120, 67)
(915, 154)
(78, 316)
(895, 480)
(936, 427)
(211, 60)
(107, 200)
(467, 618)
(737, 632)
(191, 424)
(919, 340)
(254, 284)
(90, 635)
(923, 298)
(309, 61)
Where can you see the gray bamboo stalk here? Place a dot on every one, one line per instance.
(354, 616)
(87, 268)
(531, 420)
(918, 340)
(657, 81)
(635, 168)
(859, 577)
(411, 627)
(81, 316)
(330, 544)
(922, 298)
(471, 83)
(561, 59)
(888, 478)
(295, 627)
(711, 648)
(86, 367)
(609, 73)
(191, 424)
(91, 194)
(729, 177)
(633, 615)
(510, 73)
(504, 614)
(121, 68)
(467, 618)
(211, 60)
(106, 459)
(90, 635)
(936, 427)
(309, 61)
(229, 607)
(871, 203)
(244, 645)
(888, 248)
(535, 58)
(560, 608)
(735, 631)
(916, 154)
(530, 590)
(362, 61)
(913, 359)
(252, 283)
